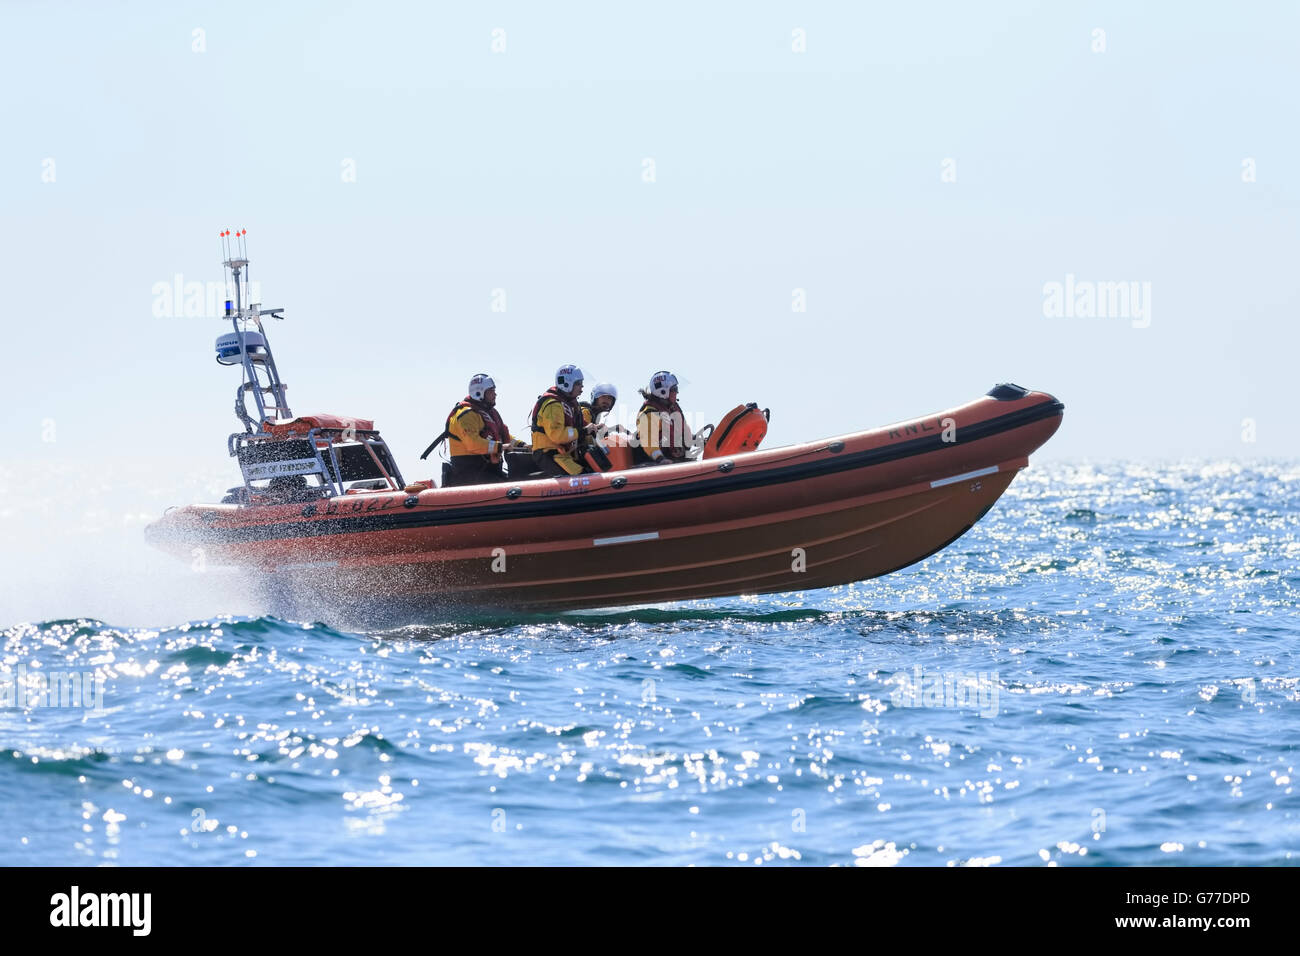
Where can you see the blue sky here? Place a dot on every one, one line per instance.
(775, 170)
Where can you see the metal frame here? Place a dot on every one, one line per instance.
(245, 319)
(331, 438)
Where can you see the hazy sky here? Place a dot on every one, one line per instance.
(920, 171)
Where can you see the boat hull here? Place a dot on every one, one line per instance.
(796, 518)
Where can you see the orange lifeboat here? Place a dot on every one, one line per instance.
(326, 524)
(858, 506)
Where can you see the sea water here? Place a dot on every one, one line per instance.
(1102, 671)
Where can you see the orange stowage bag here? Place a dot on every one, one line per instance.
(300, 426)
(741, 429)
(611, 453)
(596, 459)
(617, 451)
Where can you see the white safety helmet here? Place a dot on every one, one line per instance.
(604, 388)
(479, 384)
(568, 376)
(661, 383)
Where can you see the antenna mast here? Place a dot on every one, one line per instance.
(247, 345)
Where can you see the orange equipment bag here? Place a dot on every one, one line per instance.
(615, 452)
(741, 429)
(596, 459)
(300, 426)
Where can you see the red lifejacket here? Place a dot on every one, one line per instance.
(493, 425)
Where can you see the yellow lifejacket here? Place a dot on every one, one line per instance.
(556, 422)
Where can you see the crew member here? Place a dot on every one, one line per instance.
(603, 397)
(591, 441)
(662, 432)
(558, 425)
(476, 436)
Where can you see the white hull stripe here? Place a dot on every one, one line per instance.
(625, 538)
(970, 474)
